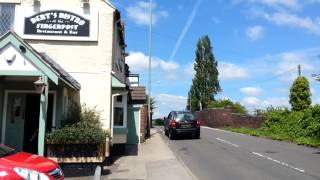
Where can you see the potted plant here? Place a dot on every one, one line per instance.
(81, 139)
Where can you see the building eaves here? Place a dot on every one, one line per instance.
(110, 4)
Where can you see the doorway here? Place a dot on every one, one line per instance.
(22, 120)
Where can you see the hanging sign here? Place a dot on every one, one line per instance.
(57, 23)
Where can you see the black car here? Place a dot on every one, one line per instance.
(181, 123)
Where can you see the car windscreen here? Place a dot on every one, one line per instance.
(185, 117)
(6, 151)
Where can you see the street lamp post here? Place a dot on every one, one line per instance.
(149, 68)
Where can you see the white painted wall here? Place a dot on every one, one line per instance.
(12, 60)
(89, 62)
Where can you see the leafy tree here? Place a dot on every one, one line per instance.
(205, 84)
(300, 95)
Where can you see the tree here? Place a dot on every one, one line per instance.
(152, 103)
(300, 95)
(205, 84)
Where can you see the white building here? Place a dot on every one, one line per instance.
(77, 47)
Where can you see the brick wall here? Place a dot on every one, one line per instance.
(218, 118)
(143, 123)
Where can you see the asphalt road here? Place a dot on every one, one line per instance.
(223, 155)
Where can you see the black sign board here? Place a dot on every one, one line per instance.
(58, 23)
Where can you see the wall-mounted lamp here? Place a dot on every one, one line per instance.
(39, 85)
(85, 3)
(10, 58)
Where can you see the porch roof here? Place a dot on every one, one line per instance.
(64, 75)
(42, 61)
(116, 83)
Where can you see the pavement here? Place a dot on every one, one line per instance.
(152, 160)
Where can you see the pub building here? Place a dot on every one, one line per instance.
(54, 53)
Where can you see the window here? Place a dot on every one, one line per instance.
(185, 116)
(6, 17)
(118, 116)
(119, 99)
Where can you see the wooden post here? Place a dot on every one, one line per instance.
(43, 117)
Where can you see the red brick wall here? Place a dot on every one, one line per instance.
(143, 122)
(218, 118)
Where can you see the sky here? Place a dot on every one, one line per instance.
(258, 45)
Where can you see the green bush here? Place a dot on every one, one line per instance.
(84, 130)
(158, 122)
(77, 134)
(237, 108)
(301, 127)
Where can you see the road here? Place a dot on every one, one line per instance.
(223, 155)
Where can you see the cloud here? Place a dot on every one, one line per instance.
(293, 20)
(251, 91)
(255, 103)
(274, 4)
(168, 102)
(287, 68)
(229, 71)
(255, 32)
(291, 4)
(162, 70)
(139, 13)
(139, 61)
(251, 102)
(189, 70)
(284, 66)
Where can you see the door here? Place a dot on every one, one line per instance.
(133, 126)
(15, 120)
(31, 123)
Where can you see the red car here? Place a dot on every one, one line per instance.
(20, 165)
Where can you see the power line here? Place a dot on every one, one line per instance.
(275, 76)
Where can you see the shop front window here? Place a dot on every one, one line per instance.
(7, 11)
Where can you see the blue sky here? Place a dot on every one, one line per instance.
(257, 43)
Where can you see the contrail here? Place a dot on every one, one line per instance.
(186, 28)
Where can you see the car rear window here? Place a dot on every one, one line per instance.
(185, 117)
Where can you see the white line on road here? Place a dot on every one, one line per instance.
(278, 162)
(227, 142)
(206, 127)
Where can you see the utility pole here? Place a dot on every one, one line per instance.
(149, 68)
(299, 70)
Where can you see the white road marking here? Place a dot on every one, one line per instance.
(278, 162)
(216, 129)
(227, 142)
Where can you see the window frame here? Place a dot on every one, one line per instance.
(122, 105)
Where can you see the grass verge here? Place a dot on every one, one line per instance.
(307, 141)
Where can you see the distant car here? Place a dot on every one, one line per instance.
(20, 165)
(181, 123)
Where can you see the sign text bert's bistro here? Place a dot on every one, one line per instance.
(58, 23)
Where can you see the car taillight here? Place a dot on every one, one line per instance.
(173, 124)
(198, 124)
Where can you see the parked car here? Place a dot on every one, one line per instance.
(181, 123)
(16, 165)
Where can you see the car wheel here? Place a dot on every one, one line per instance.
(171, 136)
